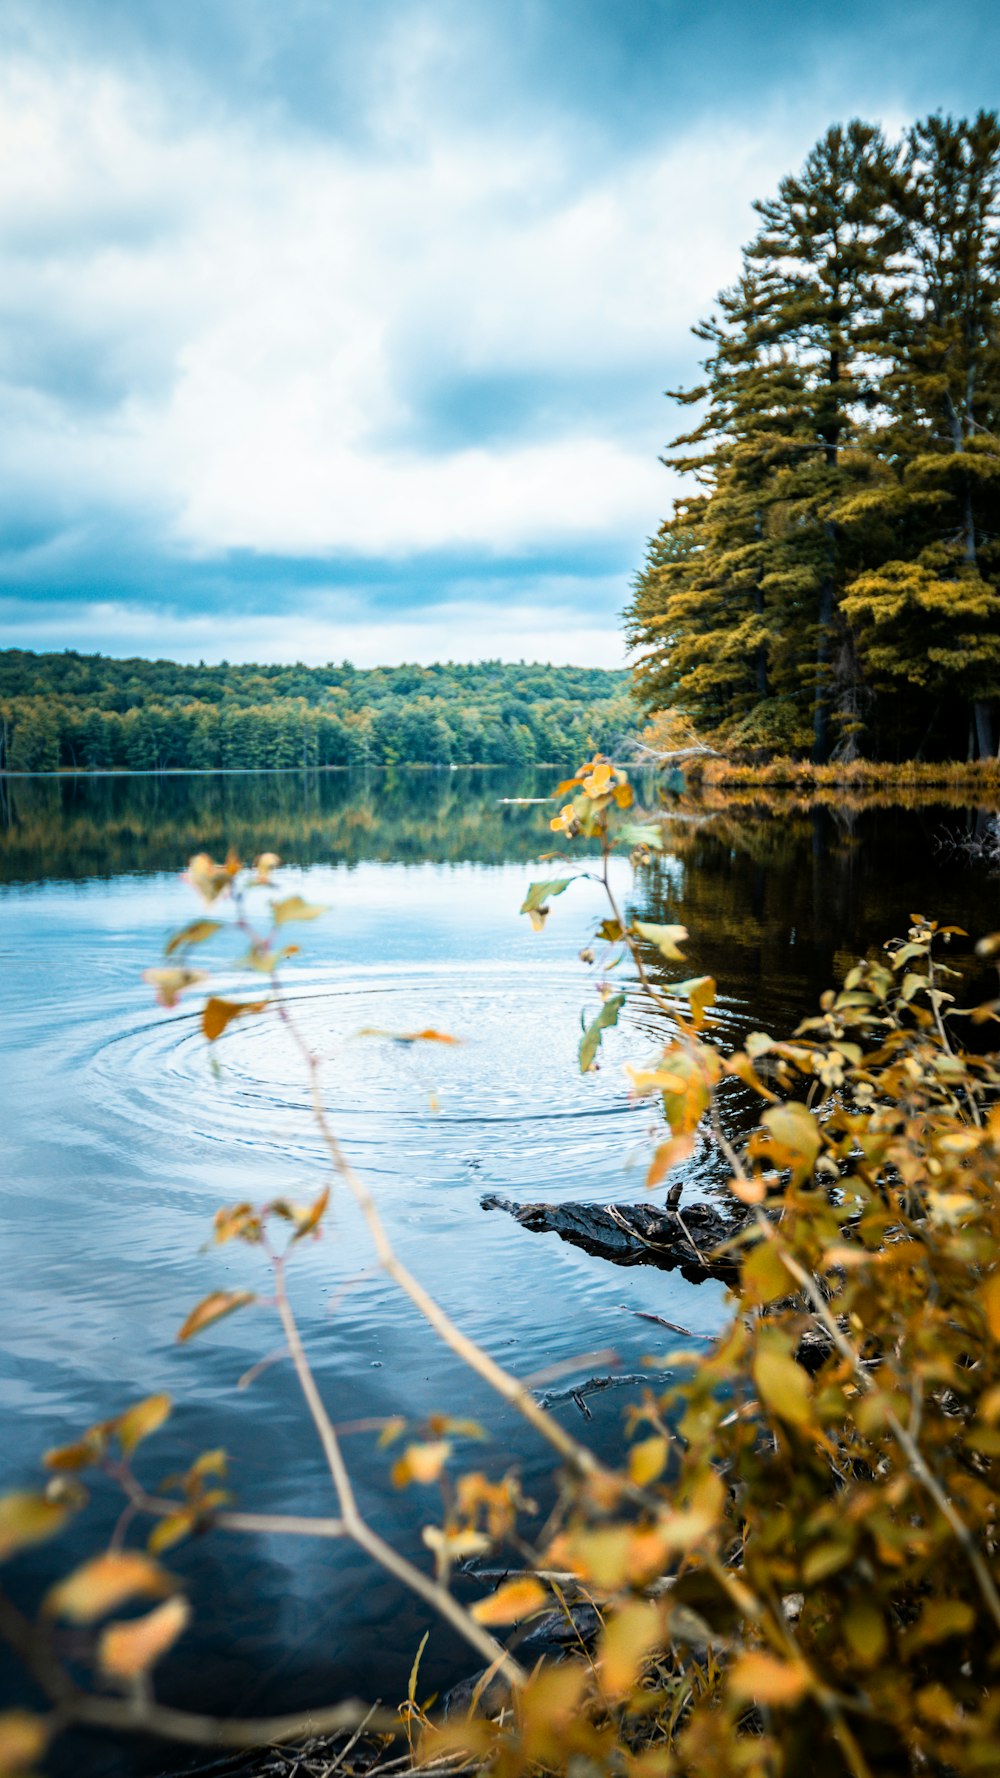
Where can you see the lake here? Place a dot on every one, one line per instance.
(121, 1141)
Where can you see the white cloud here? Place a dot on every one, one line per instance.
(471, 631)
(261, 306)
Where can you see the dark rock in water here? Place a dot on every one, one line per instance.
(636, 1234)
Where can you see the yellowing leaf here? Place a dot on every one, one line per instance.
(294, 908)
(313, 1216)
(665, 938)
(126, 1650)
(864, 1628)
(240, 1222)
(210, 879)
(80, 1455)
(217, 1014)
(169, 984)
(23, 1739)
(667, 1155)
(193, 934)
(781, 1383)
(759, 1678)
(171, 1530)
(625, 1643)
(763, 1276)
(795, 1138)
(647, 1460)
(515, 1600)
(212, 1308)
(939, 1619)
(29, 1518)
(539, 894)
(699, 991)
(137, 1423)
(990, 1299)
(421, 1462)
(427, 1036)
(104, 1583)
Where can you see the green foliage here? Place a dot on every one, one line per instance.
(838, 550)
(91, 713)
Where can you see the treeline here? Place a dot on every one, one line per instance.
(91, 713)
(829, 581)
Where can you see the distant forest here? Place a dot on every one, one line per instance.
(829, 579)
(91, 713)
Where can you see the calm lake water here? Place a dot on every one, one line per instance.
(120, 1142)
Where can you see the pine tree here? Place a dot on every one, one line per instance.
(738, 603)
(927, 608)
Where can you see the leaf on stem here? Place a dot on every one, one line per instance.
(218, 1014)
(590, 1042)
(212, 1308)
(127, 1650)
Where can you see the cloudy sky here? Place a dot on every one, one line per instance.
(340, 328)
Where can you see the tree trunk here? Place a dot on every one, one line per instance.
(821, 707)
(983, 718)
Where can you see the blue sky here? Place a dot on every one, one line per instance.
(339, 328)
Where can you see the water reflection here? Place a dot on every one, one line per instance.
(120, 1142)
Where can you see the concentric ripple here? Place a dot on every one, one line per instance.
(506, 1098)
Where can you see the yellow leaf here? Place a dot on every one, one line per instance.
(294, 908)
(782, 1384)
(103, 1583)
(217, 1014)
(625, 1643)
(669, 1154)
(763, 1277)
(171, 1530)
(210, 879)
(990, 1298)
(23, 1739)
(761, 1679)
(939, 1619)
(549, 1706)
(864, 1628)
(795, 1138)
(80, 1455)
(126, 1650)
(241, 1222)
(665, 938)
(137, 1423)
(313, 1216)
(510, 1603)
(699, 992)
(194, 934)
(427, 1036)
(29, 1518)
(421, 1463)
(212, 1308)
(647, 1460)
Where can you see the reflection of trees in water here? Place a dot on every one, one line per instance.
(780, 903)
(86, 826)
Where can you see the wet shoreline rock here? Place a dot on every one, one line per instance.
(636, 1234)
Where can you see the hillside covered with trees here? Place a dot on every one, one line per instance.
(829, 580)
(92, 713)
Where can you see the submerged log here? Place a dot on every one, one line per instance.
(636, 1234)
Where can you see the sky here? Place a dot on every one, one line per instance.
(340, 329)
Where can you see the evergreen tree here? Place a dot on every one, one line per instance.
(928, 612)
